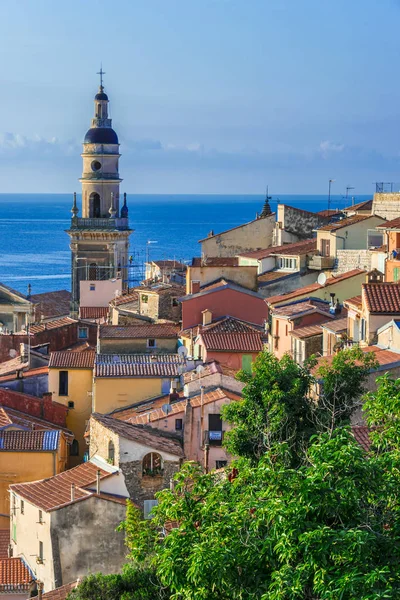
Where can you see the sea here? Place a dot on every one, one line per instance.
(34, 248)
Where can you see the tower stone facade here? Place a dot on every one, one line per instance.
(100, 237)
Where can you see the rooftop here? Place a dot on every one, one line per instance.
(126, 298)
(148, 436)
(65, 359)
(336, 326)
(157, 330)
(60, 593)
(232, 335)
(138, 365)
(385, 358)
(366, 205)
(218, 285)
(382, 297)
(53, 324)
(215, 261)
(355, 301)
(10, 416)
(169, 264)
(308, 289)
(15, 576)
(347, 222)
(55, 492)
(303, 333)
(93, 312)
(300, 307)
(361, 433)
(51, 304)
(297, 248)
(29, 441)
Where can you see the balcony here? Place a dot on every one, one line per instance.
(318, 263)
(118, 223)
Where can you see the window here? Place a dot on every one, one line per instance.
(151, 343)
(152, 464)
(363, 330)
(288, 263)
(111, 452)
(22, 507)
(148, 505)
(174, 302)
(145, 298)
(40, 516)
(63, 383)
(71, 404)
(220, 464)
(200, 351)
(178, 424)
(92, 287)
(74, 448)
(83, 333)
(40, 556)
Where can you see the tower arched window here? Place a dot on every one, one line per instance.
(152, 464)
(94, 206)
(92, 272)
(99, 111)
(111, 452)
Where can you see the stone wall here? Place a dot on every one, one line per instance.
(299, 223)
(347, 260)
(386, 205)
(144, 487)
(251, 236)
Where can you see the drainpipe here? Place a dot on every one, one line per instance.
(98, 474)
(202, 414)
(206, 454)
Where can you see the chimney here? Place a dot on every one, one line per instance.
(195, 287)
(24, 352)
(98, 474)
(187, 430)
(207, 316)
(72, 492)
(39, 590)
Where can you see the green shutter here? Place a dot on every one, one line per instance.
(246, 362)
(396, 274)
(14, 534)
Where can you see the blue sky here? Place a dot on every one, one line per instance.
(207, 96)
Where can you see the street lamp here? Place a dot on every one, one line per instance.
(329, 193)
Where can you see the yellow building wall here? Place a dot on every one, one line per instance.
(111, 393)
(244, 276)
(250, 236)
(137, 346)
(353, 237)
(17, 467)
(80, 383)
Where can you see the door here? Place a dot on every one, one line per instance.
(326, 247)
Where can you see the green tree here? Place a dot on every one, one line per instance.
(382, 411)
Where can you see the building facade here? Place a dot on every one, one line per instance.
(100, 238)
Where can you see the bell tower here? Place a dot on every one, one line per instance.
(100, 237)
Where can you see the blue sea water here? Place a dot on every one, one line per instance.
(34, 247)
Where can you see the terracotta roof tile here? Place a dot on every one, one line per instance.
(4, 542)
(54, 324)
(308, 289)
(385, 358)
(72, 360)
(297, 248)
(154, 438)
(336, 325)
(157, 331)
(232, 335)
(296, 308)
(215, 261)
(347, 222)
(328, 213)
(25, 374)
(93, 312)
(271, 276)
(366, 205)
(60, 593)
(361, 433)
(15, 576)
(52, 304)
(393, 224)
(10, 416)
(32, 441)
(382, 297)
(305, 332)
(126, 298)
(355, 301)
(138, 365)
(54, 492)
(169, 264)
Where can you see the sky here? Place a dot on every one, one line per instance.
(207, 96)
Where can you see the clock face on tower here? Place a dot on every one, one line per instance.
(96, 165)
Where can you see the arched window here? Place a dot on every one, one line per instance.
(152, 464)
(74, 448)
(92, 272)
(94, 206)
(99, 111)
(111, 452)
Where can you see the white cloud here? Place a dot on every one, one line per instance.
(327, 147)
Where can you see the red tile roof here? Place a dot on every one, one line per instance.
(157, 331)
(309, 289)
(305, 332)
(366, 205)
(93, 312)
(355, 301)
(172, 264)
(385, 358)
(60, 593)
(382, 297)
(393, 224)
(327, 213)
(14, 575)
(296, 308)
(4, 542)
(138, 365)
(10, 416)
(72, 360)
(126, 298)
(231, 335)
(297, 248)
(29, 441)
(336, 325)
(361, 433)
(51, 304)
(153, 438)
(215, 261)
(347, 222)
(55, 492)
(24, 374)
(54, 324)
(157, 414)
(272, 275)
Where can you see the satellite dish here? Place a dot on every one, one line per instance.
(321, 279)
(199, 369)
(182, 351)
(166, 408)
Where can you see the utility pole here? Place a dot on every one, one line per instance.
(348, 188)
(329, 193)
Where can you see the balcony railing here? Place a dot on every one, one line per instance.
(321, 262)
(92, 223)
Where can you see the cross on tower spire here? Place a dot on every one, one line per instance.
(101, 73)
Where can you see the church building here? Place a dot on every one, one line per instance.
(100, 237)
